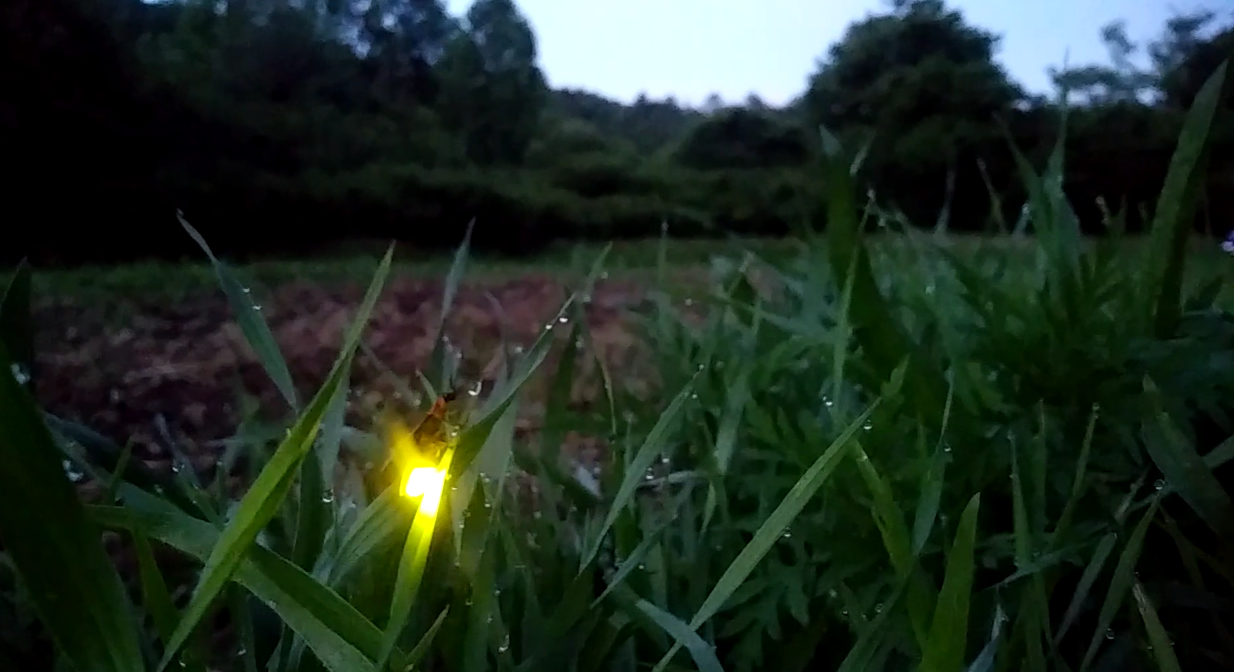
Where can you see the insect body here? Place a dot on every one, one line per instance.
(437, 430)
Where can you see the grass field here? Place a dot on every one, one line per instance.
(902, 453)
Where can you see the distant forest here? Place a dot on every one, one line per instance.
(294, 126)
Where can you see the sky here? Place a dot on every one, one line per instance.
(693, 48)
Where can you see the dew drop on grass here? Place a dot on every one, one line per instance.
(1109, 633)
(20, 374)
(1158, 484)
(505, 644)
(563, 320)
(787, 534)
(548, 327)
(327, 496)
(868, 426)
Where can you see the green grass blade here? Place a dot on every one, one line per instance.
(726, 442)
(771, 530)
(439, 371)
(68, 577)
(341, 637)
(652, 447)
(425, 644)
(251, 323)
(704, 654)
(1120, 583)
(474, 436)
(880, 335)
(261, 503)
(945, 650)
(1092, 571)
(1176, 206)
(384, 520)
(1162, 645)
(1183, 468)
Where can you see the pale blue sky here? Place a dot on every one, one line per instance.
(691, 48)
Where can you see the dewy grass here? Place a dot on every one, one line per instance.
(864, 457)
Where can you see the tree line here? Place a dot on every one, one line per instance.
(292, 126)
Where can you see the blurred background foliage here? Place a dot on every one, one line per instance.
(293, 125)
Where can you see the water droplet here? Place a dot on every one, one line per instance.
(1109, 633)
(878, 608)
(490, 619)
(828, 403)
(20, 374)
(242, 652)
(114, 395)
(604, 275)
(689, 301)
(694, 395)
(664, 459)
(548, 327)
(505, 644)
(648, 476)
(563, 320)
(1158, 484)
(327, 496)
(474, 390)
(947, 449)
(467, 602)
(256, 308)
(246, 290)
(642, 566)
(787, 534)
(868, 426)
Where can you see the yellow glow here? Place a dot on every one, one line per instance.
(427, 483)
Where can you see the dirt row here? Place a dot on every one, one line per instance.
(188, 361)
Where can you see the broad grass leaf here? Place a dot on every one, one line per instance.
(68, 577)
(1177, 203)
(946, 647)
(341, 637)
(1162, 645)
(264, 498)
(249, 319)
(1183, 468)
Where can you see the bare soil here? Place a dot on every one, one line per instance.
(188, 361)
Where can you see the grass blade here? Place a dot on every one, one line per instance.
(1176, 206)
(1120, 583)
(251, 323)
(68, 577)
(772, 528)
(341, 637)
(1163, 647)
(652, 446)
(944, 652)
(261, 503)
(1183, 468)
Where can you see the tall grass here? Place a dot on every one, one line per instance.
(917, 459)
